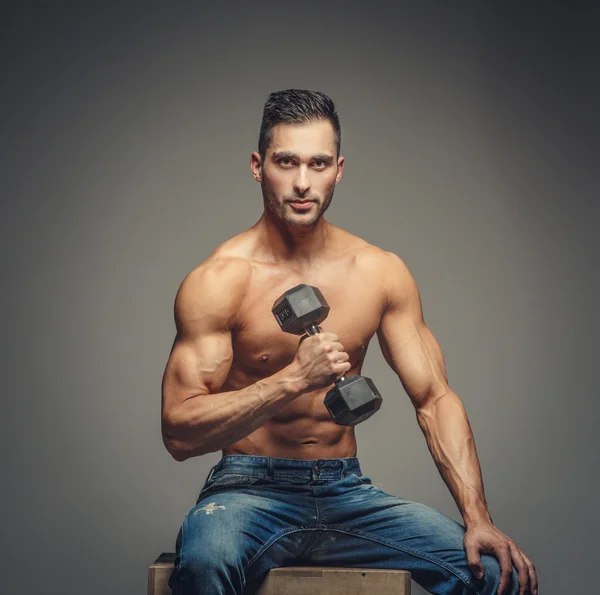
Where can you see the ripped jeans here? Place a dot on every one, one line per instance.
(257, 513)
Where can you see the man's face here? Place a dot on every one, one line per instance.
(300, 165)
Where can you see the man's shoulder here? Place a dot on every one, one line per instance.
(213, 291)
(385, 270)
(222, 269)
(222, 278)
(372, 258)
(229, 258)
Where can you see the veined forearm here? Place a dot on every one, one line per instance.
(450, 440)
(208, 423)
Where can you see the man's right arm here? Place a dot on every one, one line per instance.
(196, 417)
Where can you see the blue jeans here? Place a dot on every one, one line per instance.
(257, 513)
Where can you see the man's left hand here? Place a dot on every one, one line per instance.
(487, 539)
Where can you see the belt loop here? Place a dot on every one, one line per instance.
(210, 474)
(344, 467)
(270, 468)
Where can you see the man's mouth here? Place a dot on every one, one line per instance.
(303, 205)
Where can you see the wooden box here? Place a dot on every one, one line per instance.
(303, 580)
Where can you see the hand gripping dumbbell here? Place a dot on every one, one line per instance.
(353, 399)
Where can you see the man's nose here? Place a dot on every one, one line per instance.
(302, 182)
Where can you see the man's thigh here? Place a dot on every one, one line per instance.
(367, 527)
(237, 535)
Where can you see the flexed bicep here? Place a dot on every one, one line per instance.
(202, 353)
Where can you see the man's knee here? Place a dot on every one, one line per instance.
(491, 578)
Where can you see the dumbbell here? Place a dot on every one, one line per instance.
(353, 399)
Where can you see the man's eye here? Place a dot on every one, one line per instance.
(320, 164)
(285, 162)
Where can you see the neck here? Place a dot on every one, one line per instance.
(288, 243)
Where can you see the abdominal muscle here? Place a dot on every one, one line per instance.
(301, 430)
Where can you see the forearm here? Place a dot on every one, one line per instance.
(208, 423)
(450, 440)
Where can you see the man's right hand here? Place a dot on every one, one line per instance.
(320, 360)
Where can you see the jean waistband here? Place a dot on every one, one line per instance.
(280, 468)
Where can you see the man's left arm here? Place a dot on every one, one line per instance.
(412, 351)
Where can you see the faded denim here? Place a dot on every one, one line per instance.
(257, 513)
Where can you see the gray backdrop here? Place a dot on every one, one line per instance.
(470, 137)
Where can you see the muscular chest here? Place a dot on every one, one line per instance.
(261, 347)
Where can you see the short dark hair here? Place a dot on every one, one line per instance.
(296, 106)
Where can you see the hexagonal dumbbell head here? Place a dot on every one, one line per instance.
(299, 307)
(353, 400)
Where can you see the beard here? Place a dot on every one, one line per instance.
(282, 209)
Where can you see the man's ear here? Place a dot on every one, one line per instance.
(340, 166)
(256, 166)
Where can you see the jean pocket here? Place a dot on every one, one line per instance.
(227, 480)
(363, 479)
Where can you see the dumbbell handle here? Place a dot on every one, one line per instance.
(313, 329)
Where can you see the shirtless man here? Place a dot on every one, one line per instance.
(289, 488)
